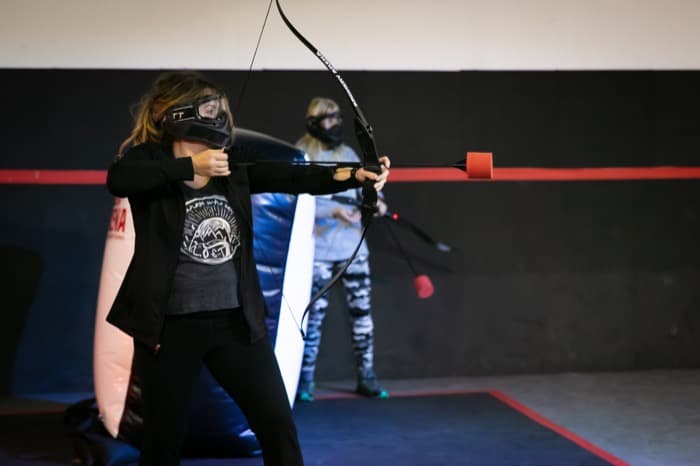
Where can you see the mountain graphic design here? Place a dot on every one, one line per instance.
(211, 232)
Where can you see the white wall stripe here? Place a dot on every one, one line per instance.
(356, 35)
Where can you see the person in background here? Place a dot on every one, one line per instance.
(191, 295)
(337, 231)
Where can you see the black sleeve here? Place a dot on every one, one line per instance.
(295, 179)
(144, 168)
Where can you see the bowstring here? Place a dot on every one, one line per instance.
(270, 268)
(252, 60)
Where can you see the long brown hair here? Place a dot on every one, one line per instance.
(169, 89)
(311, 145)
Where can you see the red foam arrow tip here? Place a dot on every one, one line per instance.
(480, 165)
(423, 285)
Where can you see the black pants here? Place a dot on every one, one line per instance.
(247, 372)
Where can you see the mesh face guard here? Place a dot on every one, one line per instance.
(318, 120)
(332, 136)
(204, 120)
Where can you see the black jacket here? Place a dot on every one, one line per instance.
(148, 175)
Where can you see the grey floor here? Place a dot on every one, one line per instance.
(649, 418)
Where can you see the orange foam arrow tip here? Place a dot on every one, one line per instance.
(480, 165)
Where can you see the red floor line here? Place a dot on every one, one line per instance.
(398, 394)
(613, 460)
(558, 429)
(403, 175)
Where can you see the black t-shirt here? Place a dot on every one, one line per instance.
(206, 277)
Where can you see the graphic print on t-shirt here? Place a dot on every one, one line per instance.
(211, 232)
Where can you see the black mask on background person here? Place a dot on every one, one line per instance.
(331, 137)
(203, 120)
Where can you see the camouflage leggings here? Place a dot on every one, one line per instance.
(356, 281)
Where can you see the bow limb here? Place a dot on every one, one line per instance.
(363, 130)
(365, 137)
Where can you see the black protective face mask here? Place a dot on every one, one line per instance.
(331, 137)
(203, 120)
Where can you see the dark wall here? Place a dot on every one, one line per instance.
(547, 276)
